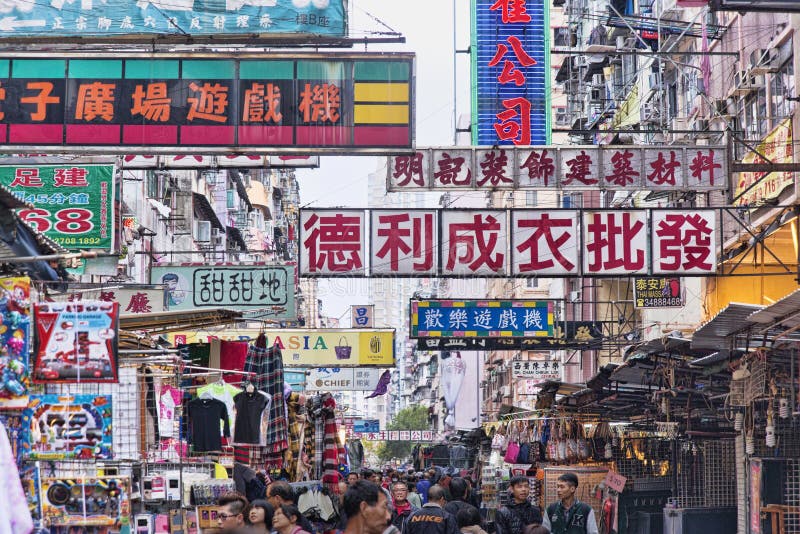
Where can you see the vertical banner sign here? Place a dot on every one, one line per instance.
(76, 341)
(72, 204)
(510, 72)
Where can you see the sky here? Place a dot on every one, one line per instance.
(342, 180)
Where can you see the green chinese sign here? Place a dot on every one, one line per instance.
(72, 204)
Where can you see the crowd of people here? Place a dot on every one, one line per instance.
(428, 503)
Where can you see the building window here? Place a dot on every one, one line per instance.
(531, 198)
(561, 37)
(561, 115)
(781, 86)
(532, 283)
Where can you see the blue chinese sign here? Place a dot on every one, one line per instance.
(366, 425)
(482, 318)
(177, 18)
(510, 72)
(362, 316)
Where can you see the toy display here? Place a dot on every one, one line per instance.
(76, 426)
(98, 501)
(76, 341)
(15, 333)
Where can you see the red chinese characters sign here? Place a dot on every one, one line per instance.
(612, 168)
(141, 105)
(517, 242)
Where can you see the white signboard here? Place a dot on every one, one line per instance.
(476, 242)
(614, 168)
(342, 379)
(545, 242)
(332, 241)
(537, 371)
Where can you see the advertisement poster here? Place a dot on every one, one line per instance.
(754, 187)
(72, 204)
(657, 292)
(76, 341)
(342, 379)
(15, 336)
(76, 426)
(105, 502)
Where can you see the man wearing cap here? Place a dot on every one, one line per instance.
(569, 515)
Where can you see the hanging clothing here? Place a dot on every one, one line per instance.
(297, 421)
(249, 407)
(332, 450)
(267, 368)
(232, 357)
(204, 416)
(169, 402)
(224, 392)
(15, 518)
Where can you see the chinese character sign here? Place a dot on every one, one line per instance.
(332, 241)
(511, 318)
(519, 242)
(474, 242)
(267, 288)
(404, 241)
(655, 292)
(362, 316)
(510, 61)
(132, 298)
(632, 168)
(125, 18)
(72, 204)
(537, 370)
(76, 341)
(127, 105)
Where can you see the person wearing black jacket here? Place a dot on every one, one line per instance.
(458, 490)
(431, 518)
(519, 513)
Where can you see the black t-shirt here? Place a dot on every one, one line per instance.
(249, 407)
(205, 415)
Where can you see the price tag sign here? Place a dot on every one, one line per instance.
(615, 481)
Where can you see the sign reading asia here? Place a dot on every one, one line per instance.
(178, 18)
(243, 103)
(482, 318)
(613, 168)
(510, 66)
(72, 204)
(554, 242)
(238, 287)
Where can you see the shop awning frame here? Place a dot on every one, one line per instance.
(157, 323)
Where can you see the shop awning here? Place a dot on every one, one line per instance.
(236, 237)
(173, 321)
(241, 189)
(202, 207)
(732, 319)
(785, 312)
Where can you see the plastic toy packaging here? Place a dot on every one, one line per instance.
(15, 328)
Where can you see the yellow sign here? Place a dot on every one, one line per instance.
(360, 347)
(777, 147)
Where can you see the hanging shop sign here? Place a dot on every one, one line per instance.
(612, 168)
(658, 292)
(555, 242)
(86, 501)
(61, 427)
(145, 19)
(254, 104)
(238, 287)
(76, 341)
(537, 370)
(15, 338)
(132, 298)
(192, 161)
(753, 188)
(342, 379)
(511, 72)
(362, 316)
(482, 318)
(327, 347)
(72, 204)
(579, 335)
(366, 425)
(744, 6)
(397, 435)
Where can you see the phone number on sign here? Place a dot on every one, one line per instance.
(66, 221)
(660, 302)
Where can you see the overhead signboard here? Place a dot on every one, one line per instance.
(192, 103)
(362, 316)
(753, 188)
(537, 370)
(239, 287)
(743, 6)
(72, 204)
(510, 72)
(310, 348)
(612, 168)
(342, 379)
(366, 425)
(501, 243)
(212, 162)
(127, 19)
(658, 292)
(132, 298)
(567, 335)
(397, 435)
(482, 318)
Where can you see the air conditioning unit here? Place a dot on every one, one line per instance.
(764, 61)
(202, 231)
(745, 83)
(681, 124)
